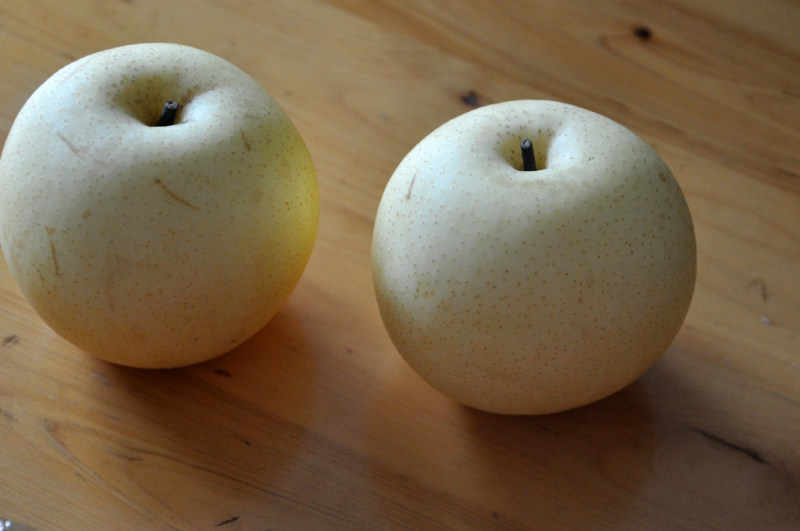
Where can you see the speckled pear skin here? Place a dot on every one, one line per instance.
(532, 292)
(155, 246)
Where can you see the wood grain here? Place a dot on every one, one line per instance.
(316, 422)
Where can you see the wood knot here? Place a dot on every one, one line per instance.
(470, 98)
(643, 33)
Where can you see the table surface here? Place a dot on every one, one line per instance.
(317, 422)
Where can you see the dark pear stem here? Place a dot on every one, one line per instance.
(168, 113)
(528, 156)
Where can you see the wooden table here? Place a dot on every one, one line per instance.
(316, 422)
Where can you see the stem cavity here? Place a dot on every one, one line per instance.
(168, 113)
(528, 155)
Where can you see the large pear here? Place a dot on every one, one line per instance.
(155, 246)
(528, 292)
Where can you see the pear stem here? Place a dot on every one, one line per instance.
(168, 113)
(528, 156)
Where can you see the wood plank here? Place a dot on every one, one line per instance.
(317, 422)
